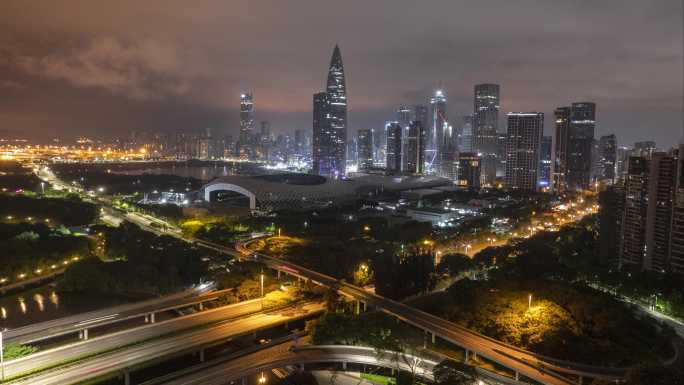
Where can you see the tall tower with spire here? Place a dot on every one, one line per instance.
(330, 122)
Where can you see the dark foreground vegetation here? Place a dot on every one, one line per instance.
(141, 264)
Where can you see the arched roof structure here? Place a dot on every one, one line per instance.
(290, 190)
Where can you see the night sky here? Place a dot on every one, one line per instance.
(103, 68)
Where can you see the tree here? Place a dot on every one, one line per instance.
(654, 375)
(14, 351)
(454, 264)
(450, 372)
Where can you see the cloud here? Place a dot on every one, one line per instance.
(148, 69)
(11, 84)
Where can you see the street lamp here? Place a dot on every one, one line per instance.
(529, 302)
(261, 280)
(262, 378)
(42, 187)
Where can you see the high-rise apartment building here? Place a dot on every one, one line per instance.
(661, 183)
(486, 127)
(394, 133)
(330, 122)
(621, 162)
(364, 151)
(676, 258)
(523, 149)
(633, 237)
(610, 217)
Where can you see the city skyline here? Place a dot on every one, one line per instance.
(189, 79)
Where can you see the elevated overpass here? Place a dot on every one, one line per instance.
(81, 323)
(172, 341)
(546, 370)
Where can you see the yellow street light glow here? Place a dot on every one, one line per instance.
(21, 276)
(38, 271)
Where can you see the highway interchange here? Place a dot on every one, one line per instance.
(543, 369)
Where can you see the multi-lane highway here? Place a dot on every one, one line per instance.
(286, 354)
(174, 343)
(81, 349)
(537, 367)
(76, 323)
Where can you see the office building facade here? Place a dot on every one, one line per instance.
(364, 142)
(523, 149)
(486, 127)
(394, 147)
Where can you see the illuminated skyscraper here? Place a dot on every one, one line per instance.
(523, 149)
(580, 139)
(435, 131)
(573, 140)
(485, 128)
(394, 132)
(415, 148)
(246, 123)
(465, 143)
(364, 150)
(404, 114)
(545, 162)
(608, 150)
(330, 122)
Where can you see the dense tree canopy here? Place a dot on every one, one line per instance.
(70, 211)
(144, 264)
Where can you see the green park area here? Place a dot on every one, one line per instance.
(139, 263)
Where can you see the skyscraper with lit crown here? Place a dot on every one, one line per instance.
(246, 123)
(330, 122)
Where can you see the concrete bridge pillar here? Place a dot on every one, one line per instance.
(201, 306)
(467, 353)
(433, 338)
(278, 274)
(201, 355)
(83, 334)
(344, 365)
(517, 376)
(127, 377)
